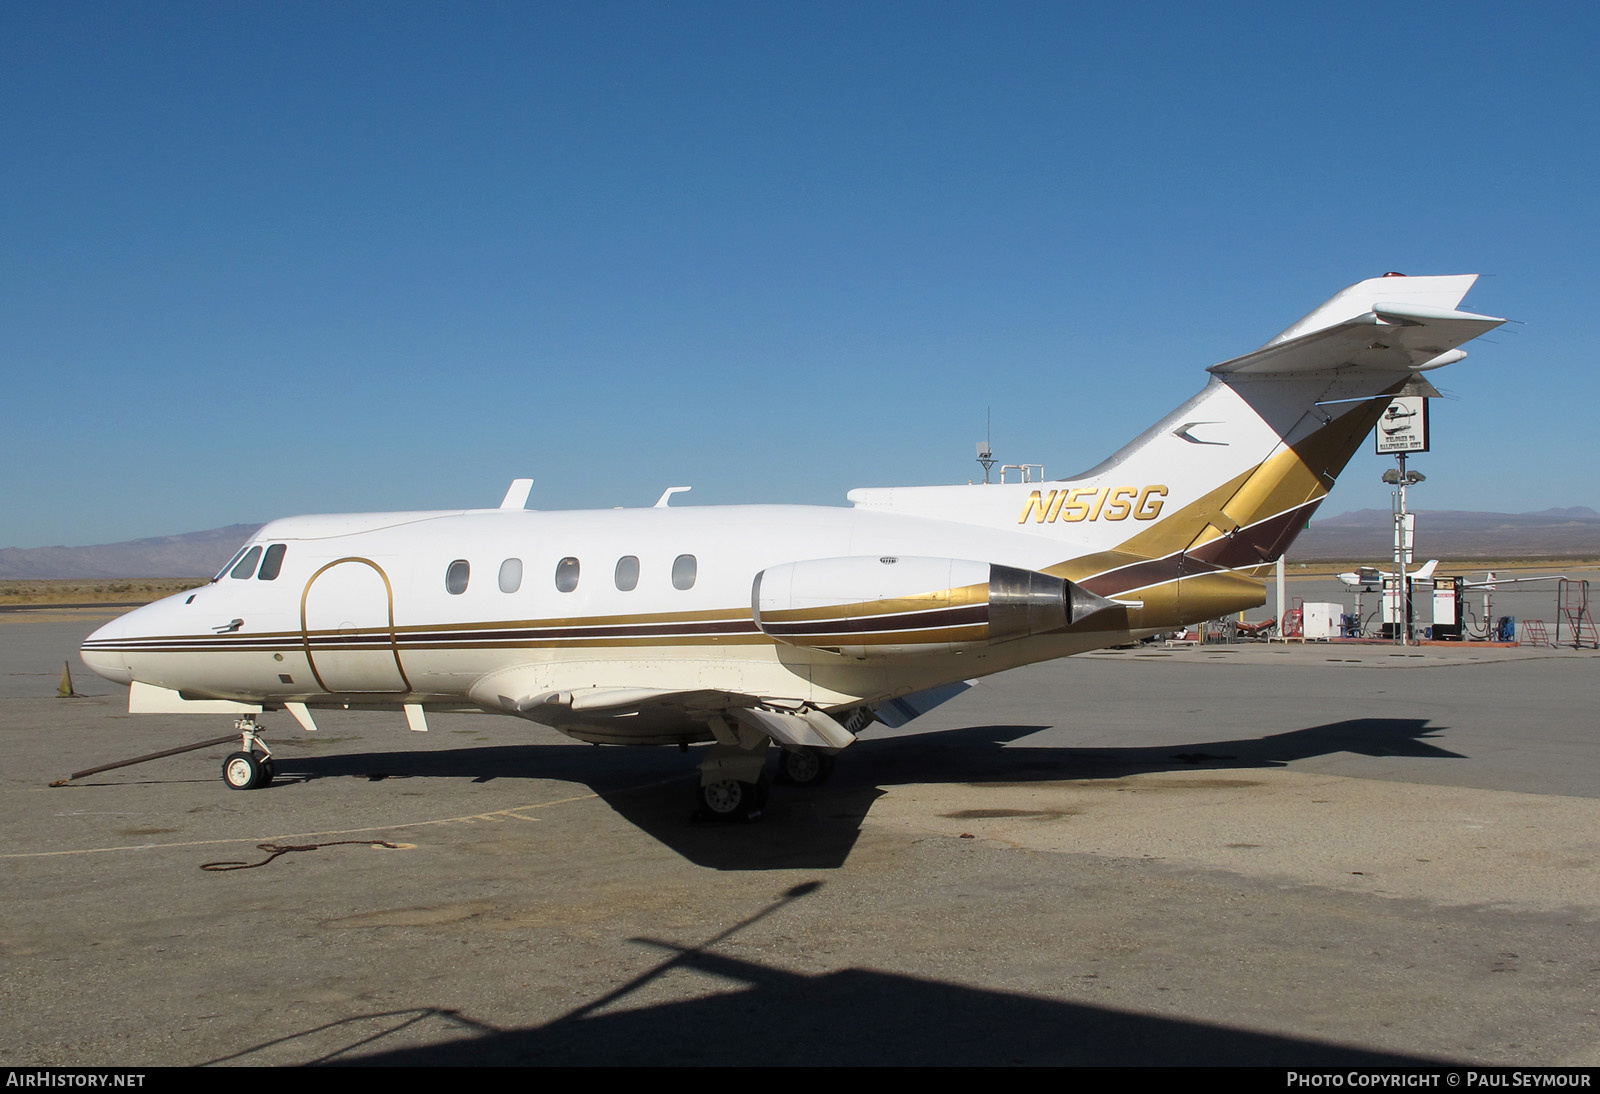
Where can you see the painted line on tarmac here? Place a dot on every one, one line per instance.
(512, 813)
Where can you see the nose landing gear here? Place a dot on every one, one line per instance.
(249, 769)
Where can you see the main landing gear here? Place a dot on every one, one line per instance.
(804, 767)
(734, 779)
(252, 768)
(732, 800)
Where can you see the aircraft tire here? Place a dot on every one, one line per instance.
(268, 771)
(729, 800)
(242, 771)
(804, 767)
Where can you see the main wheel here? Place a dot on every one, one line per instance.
(804, 767)
(268, 771)
(730, 800)
(242, 771)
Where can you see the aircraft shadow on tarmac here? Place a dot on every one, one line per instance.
(764, 1015)
(817, 828)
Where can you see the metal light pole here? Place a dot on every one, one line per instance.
(1401, 479)
(1403, 428)
(1402, 591)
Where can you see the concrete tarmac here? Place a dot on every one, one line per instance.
(1278, 855)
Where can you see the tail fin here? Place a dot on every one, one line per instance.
(1228, 480)
(1250, 458)
(1426, 573)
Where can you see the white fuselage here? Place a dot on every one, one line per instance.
(362, 611)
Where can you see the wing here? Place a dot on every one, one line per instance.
(613, 715)
(657, 715)
(1492, 583)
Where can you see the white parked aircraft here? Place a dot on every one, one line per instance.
(1369, 577)
(748, 625)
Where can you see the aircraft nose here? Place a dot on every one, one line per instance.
(103, 660)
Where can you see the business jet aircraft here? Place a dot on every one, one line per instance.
(749, 625)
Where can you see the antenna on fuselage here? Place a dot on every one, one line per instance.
(517, 496)
(985, 449)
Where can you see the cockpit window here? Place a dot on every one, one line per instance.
(246, 565)
(272, 562)
(232, 562)
(455, 578)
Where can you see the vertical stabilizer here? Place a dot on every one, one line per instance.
(1224, 483)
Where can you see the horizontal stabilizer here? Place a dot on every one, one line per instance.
(1386, 324)
(1439, 293)
(1393, 340)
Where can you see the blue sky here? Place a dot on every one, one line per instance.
(264, 259)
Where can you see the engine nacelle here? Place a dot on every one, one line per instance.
(895, 604)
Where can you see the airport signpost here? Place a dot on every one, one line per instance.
(1402, 429)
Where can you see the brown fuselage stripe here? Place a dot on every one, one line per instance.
(1234, 552)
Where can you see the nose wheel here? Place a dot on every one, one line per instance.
(249, 769)
(246, 771)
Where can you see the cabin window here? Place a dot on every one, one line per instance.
(456, 577)
(511, 575)
(684, 568)
(567, 575)
(247, 565)
(272, 562)
(628, 573)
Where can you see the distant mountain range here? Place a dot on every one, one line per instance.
(1454, 534)
(1366, 534)
(193, 554)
